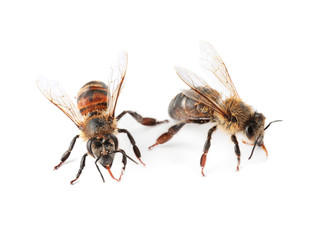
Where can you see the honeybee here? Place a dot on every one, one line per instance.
(95, 118)
(202, 104)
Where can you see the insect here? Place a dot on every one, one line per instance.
(202, 104)
(95, 118)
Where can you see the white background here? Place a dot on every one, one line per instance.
(266, 49)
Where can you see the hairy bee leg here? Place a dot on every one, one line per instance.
(98, 168)
(67, 153)
(237, 149)
(124, 161)
(82, 165)
(165, 137)
(140, 119)
(133, 143)
(206, 147)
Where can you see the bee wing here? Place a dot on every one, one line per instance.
(54, 92)
(212, 99)
(115, 84)
(211, 60)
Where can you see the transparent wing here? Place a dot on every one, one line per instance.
(211, 60)
(116, 82)
(56, 94)
(202, 92)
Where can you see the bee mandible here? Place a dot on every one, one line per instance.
(202, 104)
(95, 118)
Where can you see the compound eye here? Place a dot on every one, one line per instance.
(249, 131)
(97, 144)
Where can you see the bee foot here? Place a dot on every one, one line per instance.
(150, 147)
(73, 182)
(57, 166)
(141, 162)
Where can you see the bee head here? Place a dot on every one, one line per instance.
(254, 129)
(102, 146)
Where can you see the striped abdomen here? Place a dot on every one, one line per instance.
(92, 97)
(182, 107)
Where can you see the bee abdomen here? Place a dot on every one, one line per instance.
(181, 107)
(92, 97)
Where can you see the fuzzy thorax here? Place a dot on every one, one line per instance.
(239, 115)
(98, 126)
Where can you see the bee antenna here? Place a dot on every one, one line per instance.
(270, 123)
(131, 159)
(253, 148)
(122, 152)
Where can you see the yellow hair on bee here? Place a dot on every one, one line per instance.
(98, 125)
(239, 112)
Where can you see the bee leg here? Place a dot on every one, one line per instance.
(67, 153)
(237, 149)
(133, 143)
(165, 137)
(140, 119)
(206, 147)
(82, 165)
(124, 161)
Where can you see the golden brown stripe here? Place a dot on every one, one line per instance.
(92, 97)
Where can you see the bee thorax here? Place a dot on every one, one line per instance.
(239, 114)
(98, 126)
